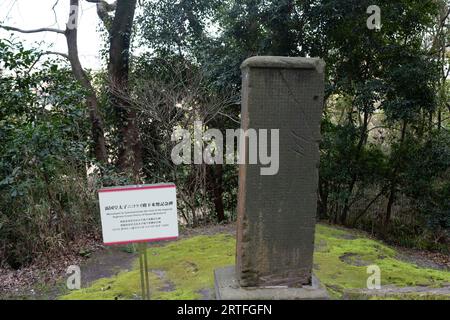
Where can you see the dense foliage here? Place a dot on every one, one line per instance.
(385, 153)
(44, 198)
(387, 96)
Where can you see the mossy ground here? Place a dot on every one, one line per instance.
(187, 266)
(340, 274)
(182, 269)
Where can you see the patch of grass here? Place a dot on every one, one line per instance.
(411, 296)
(125, 285)
(188, 265)
(396, 296)
(339, 275)
(340, 261)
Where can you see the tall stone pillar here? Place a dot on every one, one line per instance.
(277, 213)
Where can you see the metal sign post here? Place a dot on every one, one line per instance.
(143, 264)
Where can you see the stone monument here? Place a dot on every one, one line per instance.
(277, 213)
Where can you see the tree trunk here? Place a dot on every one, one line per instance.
(92, 102)
(364, 211)
(323, 199)
(361, 142)
(130, 150)
(391, 200)
(393, 183)
(215, 182)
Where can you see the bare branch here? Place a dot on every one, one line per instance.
(64, 55)
(54, 11)
(46, 53)
(9, 28)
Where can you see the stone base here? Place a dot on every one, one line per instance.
(227, 288)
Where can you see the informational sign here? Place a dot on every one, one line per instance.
(141, 213)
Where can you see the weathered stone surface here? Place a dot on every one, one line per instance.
(276, 214)
(227, 288)
(284, 63)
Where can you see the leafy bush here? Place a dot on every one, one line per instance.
(45, 200)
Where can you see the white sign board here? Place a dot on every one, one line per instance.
(142, 213)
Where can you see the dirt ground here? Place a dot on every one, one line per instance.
(45, 279)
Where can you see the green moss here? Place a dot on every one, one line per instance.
(357, 295)
(187, 266)
(339, 274)
(412, 296)
(181, 269)
(125, 285)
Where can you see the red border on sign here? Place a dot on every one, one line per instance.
(137, 188)
(139, 241)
